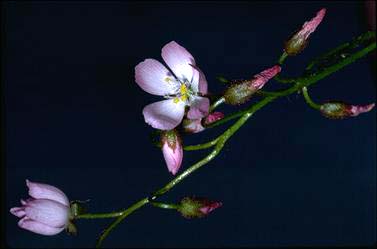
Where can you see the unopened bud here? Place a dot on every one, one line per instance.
(195, 207)
(213, 117)
(339, 110)
(172, 150)
(298, 41)
(240, 92)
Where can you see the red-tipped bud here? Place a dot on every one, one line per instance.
(339, 110)
(172, 150)
(240, 92)
(298, 41)
(195, 207)
(213, 117)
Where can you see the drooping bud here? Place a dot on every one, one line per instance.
(340, 110)
(192, 125)
(240, 92)
(298, 41)
(213, 117)
(172, 150)
(196, 207)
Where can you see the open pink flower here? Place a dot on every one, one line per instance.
(46, 213)
(182, 86)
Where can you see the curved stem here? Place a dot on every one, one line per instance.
(308, 100)
(126, 212)
(216, 104)
(201, 146)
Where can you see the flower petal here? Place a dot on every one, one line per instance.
(45, 191)
(155, 78)
(179, 60)
(48, 212)
(18, 211)
(37, 227)
(164, 115)
(199, 82)
(199, 108)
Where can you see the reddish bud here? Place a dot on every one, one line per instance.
(213, 117)
(195, 207)
(240, 92)
(298, 41)
(339, 110)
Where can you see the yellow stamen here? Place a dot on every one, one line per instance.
(167, 79)
(184, 97)
(176, 100)
(183, 89)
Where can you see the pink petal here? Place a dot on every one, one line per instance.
(45, 191)
(154, 78)
(37, 227)
(199, 108)
(48, 212)
(164, 115)
(193, 125)
(310, 26)
(264, 76)
(210, 207)
(355, 110)
(199, 82)
(179, 60)
(18, 211)
(173, 157)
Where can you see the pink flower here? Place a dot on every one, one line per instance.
(340, 110)
(46, 213)
(172, 150)
(182, 86)
(298, 40)
(213, 117)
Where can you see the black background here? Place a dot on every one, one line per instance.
(73, 119)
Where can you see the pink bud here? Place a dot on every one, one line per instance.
(340, 110)
(47, 213)
(264, 76)
(240, 92)
(196, 207)
(213, 117)
(172, 150)
(298, 40)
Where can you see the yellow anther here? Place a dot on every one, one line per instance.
(183, 89)
(176, 100)
(167, 79)
(184, 97)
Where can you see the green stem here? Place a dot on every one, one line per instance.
(216, 104)
(282, 58)
(308, 100)
(99, 216)
(126, 212)
(164, 205)
(201, 146)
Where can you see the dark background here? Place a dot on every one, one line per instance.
(73, 119)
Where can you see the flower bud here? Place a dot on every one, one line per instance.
(298, 41)
(172, 150)
(240, 92)
(213, 117)
(46, 213)
(195, 207)
(192, 125)
(339, 110)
